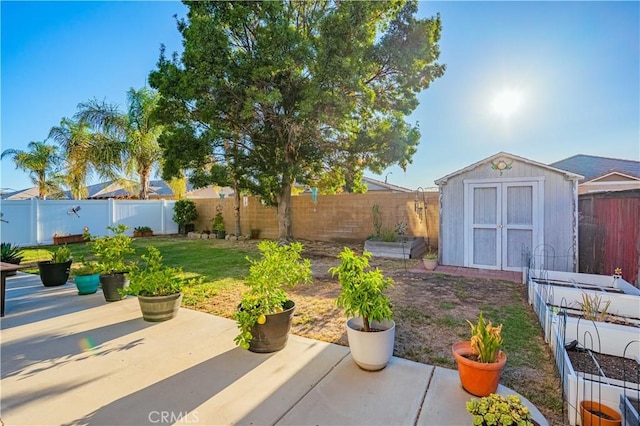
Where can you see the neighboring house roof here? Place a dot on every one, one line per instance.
(29, 193)
(377, 185)
(592, 167)
(111, 189)
(506, 155)
(23, 194)
(209, 192)
(613, 176)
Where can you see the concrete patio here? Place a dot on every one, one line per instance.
(77, 360)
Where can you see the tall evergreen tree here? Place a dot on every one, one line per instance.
(295, 88)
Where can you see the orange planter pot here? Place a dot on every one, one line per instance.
(477, 378)
(588, 410)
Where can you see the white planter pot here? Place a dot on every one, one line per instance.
(373, 350)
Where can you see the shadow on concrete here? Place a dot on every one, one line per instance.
(28, 301)
(179, 394)
(36, 353)
(41, 393)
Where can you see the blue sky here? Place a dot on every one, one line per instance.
(573, 66)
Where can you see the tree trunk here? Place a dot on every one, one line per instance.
(144, 185)
(236, 208)
(285, 232)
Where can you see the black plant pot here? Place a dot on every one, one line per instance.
(221, 235)
(111, 283)
(54, 274)
(273, 334)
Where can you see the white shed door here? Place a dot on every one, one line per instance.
(501, 222)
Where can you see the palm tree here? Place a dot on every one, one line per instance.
(136, 132)
(85, 152)
(41, 161)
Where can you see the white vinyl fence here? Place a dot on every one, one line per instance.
(33, 222)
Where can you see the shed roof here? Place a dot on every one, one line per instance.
(591, 166)
(503, 155)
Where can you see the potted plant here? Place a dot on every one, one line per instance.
(265, 311)
(10, 253)
(55, 272)
(142, 231)
(371, 332)
(158, 288)
(110, 252)
(184, 214)
(499, 410)
(255, 233)
(430, 260)
(480, 360)
(218, 226)
(598, 414)
(86, 277)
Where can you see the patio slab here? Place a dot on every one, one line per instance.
(77, 360)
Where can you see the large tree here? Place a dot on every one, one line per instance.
(287, 90)
(42, 162)
(133, 135)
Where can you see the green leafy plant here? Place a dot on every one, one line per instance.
(430, 255)
(278, 267)
(153, 278)
(499, 410)
(485, 340)
(218, 222)
(142, 229)
(110, 250)
(184, 212)
(388, 235)
(591, 307)
(10, 253)
(61, 255)
(362, 293)
(87, 267)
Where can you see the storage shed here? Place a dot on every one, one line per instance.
(498, 212)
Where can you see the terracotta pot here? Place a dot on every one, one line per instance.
(588, 410)
(477, 378)
(430, 264)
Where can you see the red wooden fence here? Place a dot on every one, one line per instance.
(611, 229)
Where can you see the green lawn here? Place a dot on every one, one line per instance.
(218, 262)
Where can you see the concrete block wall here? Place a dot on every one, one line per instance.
(340, 217)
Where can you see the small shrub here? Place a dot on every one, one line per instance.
(62, 255)
(184, 212)
(11, 253)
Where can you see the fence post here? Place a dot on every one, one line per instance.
(111, 211)
(162, 217)
(35, 230)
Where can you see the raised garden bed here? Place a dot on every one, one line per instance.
(411, 248)
(607, 372)
(68, 239)
(603, 365)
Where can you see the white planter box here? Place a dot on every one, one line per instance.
(412, 248)
(579, 386)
